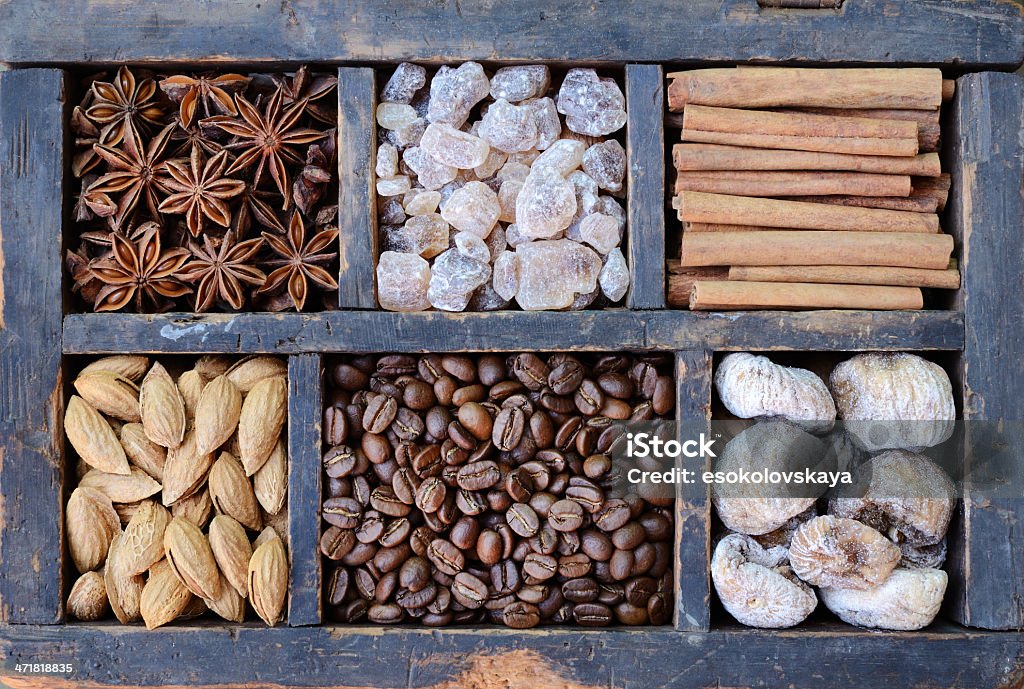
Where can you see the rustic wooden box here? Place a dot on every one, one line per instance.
(981, 334)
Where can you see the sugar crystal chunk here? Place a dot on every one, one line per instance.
(582, 301)
(471, 246)
(391, 212)
(428, 234)
(402, 281)
(454, 92)
(525, 157)
(609, 206)
(423, 203)
(513, 170)
(448, 145)
(546, 204)
(614, 277)
(453, 279)
(404, 83)
(495, 159)
(564, 156)
(486, 299)
(496, 242)
(514, 237)
(520, 82)
(393, 186)
(473, 208)
(510, 128)
(592, 106)
(600, 231)
(606, 163)
(395, 115)
(506, 274)
(552, 273)
(549, 124)
(508, 193)
(409, 134)
(395, 238)
(387, 161)
(430, 173)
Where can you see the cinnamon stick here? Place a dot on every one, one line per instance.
(913, 204)
(856, 275)
(948, 89)
(936, 188)
(731, 296)
(769, 87)
(681, 279)
(820, 144)
(711, 119)
(771, 183)
(695, 156)
(695, 206)
(813, 248)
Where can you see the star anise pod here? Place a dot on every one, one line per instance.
(124, 102)
(214, 93)
(318, 172)
(266, 139)
(199, 190)
(254, 208)
(86, 136)
(139, 271)
(309, 87)
(185, 139)
(220, 270)
(300, 262)
(135, 172)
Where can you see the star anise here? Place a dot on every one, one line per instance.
(124, 102)
(220, 270)
(139, 271)
(86, 136)
(300, 261)
(185, 139)
(135, 172)
(214, 92)
(255, 208)
(265, 139)
(199, 190)
(311, 183)
(311, 88)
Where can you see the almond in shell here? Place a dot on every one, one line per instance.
(110, 394)
(189, 555)
(185, 470)
(246, 373)
(270, 482)
(209, 366)
(268, 580)
(191, 385)
(217, 414)
(196, 508)
(92, 525)
(232, 551)
(124, 590)
(143, 452)
(138, 485)
(131, 366)
(93, 438)
(88, 598)
(143, 540)
(263, 416)
(164, 597)
(163, 411)
(228, 604)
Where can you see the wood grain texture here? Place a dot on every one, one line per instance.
(645, 156)
(31, 401)
(609, 330)
(494, 658)
(983, 33)
(357, 201)
(305, 410)
(693, 504)
(987, 217)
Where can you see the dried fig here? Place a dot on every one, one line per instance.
(924, 556)
(909, 599)
(831, 551)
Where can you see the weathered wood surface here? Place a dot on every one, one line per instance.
(987, 217)
(474, 658)
(645, 158)
(610, 330)
(305, 411)
(357, 207)
(31, 402)
(693, 507)
(982, 33)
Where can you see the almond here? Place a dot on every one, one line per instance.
(93, 438)
(251, 370)
(196, 608)
(232, 493)
(126, 510)
(131, 366)
(270, 482)
(88, 598)
(163, 597)
(232, 551)
(163, 411)
(279, 523)
(190, 385)
(124, 591)
(268, 534)
(185, 470)
(138, 485)
(228, 604)
(143, 540)
(263, 416)
(92, 525)
(217, 413)
(110, 394)
(210, 366)
(268, 580)
(196, 508)
(143, 452)
(189, 555)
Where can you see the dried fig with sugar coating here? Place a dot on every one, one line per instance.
(842, 553)
(909, 599)
(784, 534)
(893, 401)
(754, 387)
(756, 585)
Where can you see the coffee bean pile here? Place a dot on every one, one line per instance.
(465, 489)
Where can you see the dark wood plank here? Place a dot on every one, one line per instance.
(981, 33)
(608, 330)
(31, 401)
(645, 155)
(410, 658)
(987, 217)
(305, 410)
(357, 205)
(693, 504)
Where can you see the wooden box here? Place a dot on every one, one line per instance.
(977, 642)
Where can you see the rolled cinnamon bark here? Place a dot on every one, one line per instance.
(811, 248)
(710, 119)
(928, 129)
(680, 281)
(694, 156)
(768, 87)
(936, 188)
(695, 206)
(773, 183)
(911, 204)
(821, 144)
(730, 296)
(948, 89)
(851, 275)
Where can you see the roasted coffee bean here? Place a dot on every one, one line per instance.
(574, 565)
(395, 532)
(349, 377)
(522, 519)
(656, 526)
(505, 389)
(565, 378)
(597, 467)
(339, 461)
(531, 371)
(430, 368)
(640, 589)
(663, 399)
(596, 545)
(421, 598)
(444, 389)
(568, 542)
(380, 412)
(384, 500)
(518, 484)
(407, 424)
(469, 591)
(418, 395)
(508, 428)
(566, 515)
(335, 426)
(462, 367)
(478, 475)
(564, 614)
(565, 438)
(589, 398)
(405, 483)
(390, 559)
(414, 574)
(371, 527)
(475, 419)
(520, 615)
(645, 378)
(336, 543)
(550, 605)
(337, 589)
(557, 404)
(545, 541)
(490, 369)
(442, 601)
(542, 502)
(365, 583)
(488, 547)
(539, 473)
(620, 567)
(505, 577)
(498, 602)
(420, 539)
(339, 488)
(446, 557)
(613, 514)
(469, 394)
(355, 611)
(464, 533)
(611, 594)
(470, 502)
(533, 593)
(342, 512)
(592, 615)
(580, 590)
(629, 536)
(631, 615)
(540, 567)
(585, 493)
(376, 448)
(360, 554)
(431, 494)
(644, 555)
(542, 430)
(642, 412)
(658, 609)
(617, 385)
(385, 614)
(361, 491)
